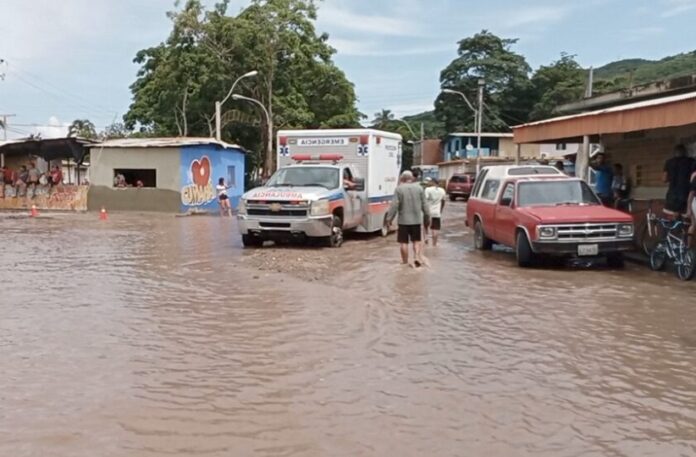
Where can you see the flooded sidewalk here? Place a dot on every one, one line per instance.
(150, 335)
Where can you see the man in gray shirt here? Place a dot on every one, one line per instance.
(409, 203)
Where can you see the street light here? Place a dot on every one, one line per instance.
(478, 117)
(269, 122)
(218, 105)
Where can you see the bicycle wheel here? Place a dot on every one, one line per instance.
(687, 265)
(658, 256)
(648, 241)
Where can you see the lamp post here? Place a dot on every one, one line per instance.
(478, 117)
(218, 105)
(269, 122)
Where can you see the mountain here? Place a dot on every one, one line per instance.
(627, 72)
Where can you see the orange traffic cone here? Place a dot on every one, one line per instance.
(34, 212)
(103, 214)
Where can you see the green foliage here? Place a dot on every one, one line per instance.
(626, 73)
(560, 82)
(82, 128)
(181, 79)
(507, 86)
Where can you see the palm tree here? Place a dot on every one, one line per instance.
(82, 128)
(382, 119)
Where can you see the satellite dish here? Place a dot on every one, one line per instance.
(469, 147)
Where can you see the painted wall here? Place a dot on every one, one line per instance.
(164, 160)
(199, 171)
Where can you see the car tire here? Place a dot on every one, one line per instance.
(523, 251)
(481, 241)
(250, 241)
(616, 260)
(335, 240)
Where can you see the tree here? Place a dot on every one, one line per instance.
(82, 128)
(181, 79)
(561, 82)
(507, 86)
(383, 119)
(115, 130)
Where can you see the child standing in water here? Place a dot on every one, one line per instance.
(223, 199)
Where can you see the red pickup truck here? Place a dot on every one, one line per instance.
(539, 211)
(460, 185)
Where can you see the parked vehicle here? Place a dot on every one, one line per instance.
(539, 211)
(460, 185)
(327, 182)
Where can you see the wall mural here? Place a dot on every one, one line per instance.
(199, 189)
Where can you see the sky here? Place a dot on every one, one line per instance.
(70, 59)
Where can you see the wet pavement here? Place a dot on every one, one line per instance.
(150, 335)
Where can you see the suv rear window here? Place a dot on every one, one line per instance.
(458, 179)
(525, 171)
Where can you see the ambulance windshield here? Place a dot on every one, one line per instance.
(305, 177)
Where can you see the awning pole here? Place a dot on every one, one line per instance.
(518, 154)
(584, 161)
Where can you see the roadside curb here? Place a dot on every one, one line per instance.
(637, 258)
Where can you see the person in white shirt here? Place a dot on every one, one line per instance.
(223, 199)
(435, 199)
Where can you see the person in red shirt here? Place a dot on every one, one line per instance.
(56, 176)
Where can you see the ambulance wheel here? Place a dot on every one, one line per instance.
(250, 241)
(336, 238)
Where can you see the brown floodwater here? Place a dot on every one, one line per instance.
(150, 335)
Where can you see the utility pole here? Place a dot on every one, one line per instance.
(481, 85)
(3, 124)
(590, 84)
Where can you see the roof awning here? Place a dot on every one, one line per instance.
(49, 149)
(659, 113)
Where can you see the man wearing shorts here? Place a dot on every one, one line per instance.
(435, 198)
(409, 204)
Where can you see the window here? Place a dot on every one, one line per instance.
(508, 195)
(135, 177)
(561, 147)
(305, 177)
(555, 193)
(231, 176)
(478, 181)
(490, 189)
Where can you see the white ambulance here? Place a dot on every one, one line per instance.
(327, 182)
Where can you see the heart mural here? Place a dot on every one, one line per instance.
(200, 171)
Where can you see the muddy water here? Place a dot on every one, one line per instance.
(153, 335)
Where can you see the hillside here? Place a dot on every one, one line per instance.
(645, 71)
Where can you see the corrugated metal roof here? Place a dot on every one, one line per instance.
(172, 142)
(483, 135)
(615, 109)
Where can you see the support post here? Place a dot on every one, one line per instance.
(582, 163)
(518, 154)
(481, 85)
(218, 122)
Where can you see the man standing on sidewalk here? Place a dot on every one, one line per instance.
(435, 198)
(409, 204)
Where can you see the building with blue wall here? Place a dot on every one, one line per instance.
(463, 145)
(164, 174)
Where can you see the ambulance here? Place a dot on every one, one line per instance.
(328, 182)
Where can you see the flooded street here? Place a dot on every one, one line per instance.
(150, 335)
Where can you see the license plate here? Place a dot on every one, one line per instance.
(588, 249)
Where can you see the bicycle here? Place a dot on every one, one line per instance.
(649, 234)
(673, 247)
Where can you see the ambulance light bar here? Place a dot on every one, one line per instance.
(320, 157)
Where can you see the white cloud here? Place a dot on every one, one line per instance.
(535, 16)
(334, 18)
(677, 7)
(362, 48)
(54, 129)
